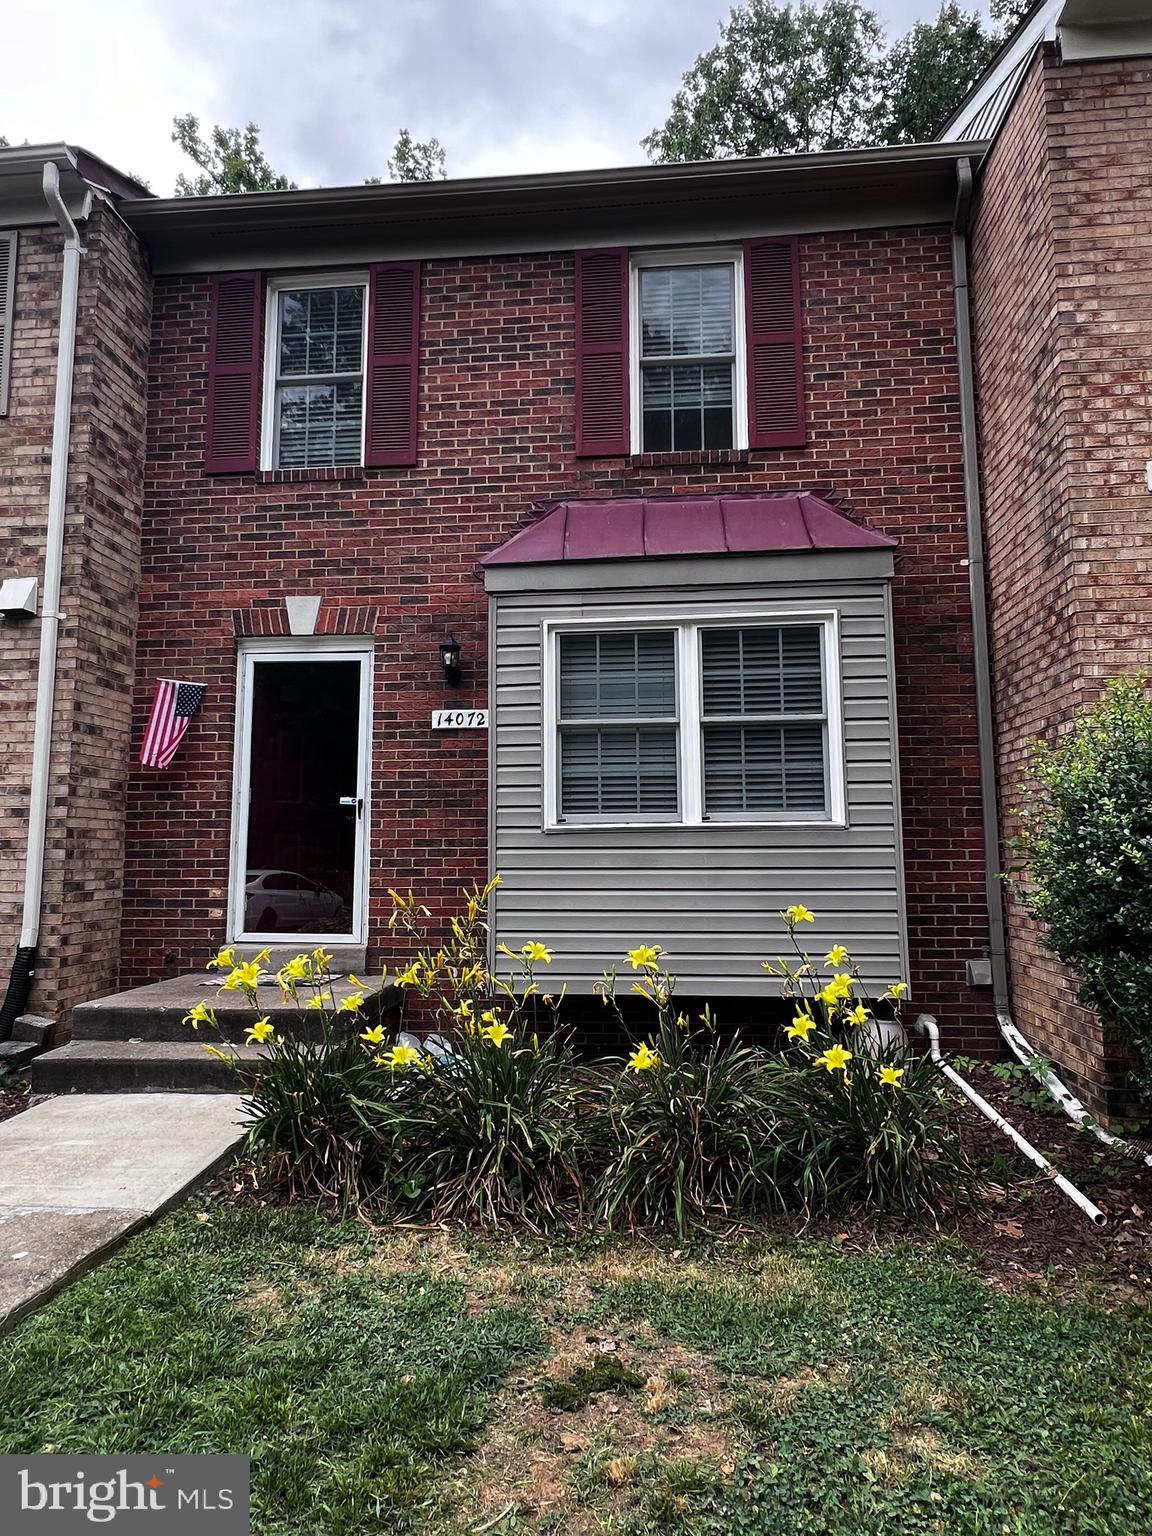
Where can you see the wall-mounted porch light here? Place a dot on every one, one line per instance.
(450, 660)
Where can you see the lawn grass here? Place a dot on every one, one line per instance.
(428, 1382)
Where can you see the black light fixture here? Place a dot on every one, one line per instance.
(450, 660)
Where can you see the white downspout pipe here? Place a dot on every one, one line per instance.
(53, 563)
(927, 1025)
(50, 613)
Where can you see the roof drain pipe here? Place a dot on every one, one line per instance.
(927, 1025)
(989, 801)
(24, 965)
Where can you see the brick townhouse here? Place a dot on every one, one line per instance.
(619, 531)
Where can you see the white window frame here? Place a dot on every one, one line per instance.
(690, 256)
(270, 433)
(689, 710)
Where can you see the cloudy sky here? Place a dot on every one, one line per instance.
(506, 85)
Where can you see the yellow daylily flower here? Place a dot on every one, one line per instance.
(859, 1014)
(263, 957)
(836, 990)
(496, 1034)
(351, 1003)
(837, 956)
(322, 958)
(379, 1061)
(243, 978)
(643, 1058)
(259, 1032)
(488, 1017)
(374, 1036)
(644, 957)
(410, 977)
(225, 960)
(299, 968)
(198, 1014)
(354, 981)
(219, 1055)
(534, 951)
(402, 1056)
(801, 1027)
(316, 1002)
(897, 990)
(834, 1059)
(890, 1076)
(798, 914)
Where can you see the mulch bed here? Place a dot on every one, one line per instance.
(11, 1103)
(1031, 1230)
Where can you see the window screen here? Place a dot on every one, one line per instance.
(687, 356)
(319, 377)
(763, 720)
(617, 724)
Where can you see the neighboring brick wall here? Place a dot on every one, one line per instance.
(84, 862)
(1062, 288)
(496, 434)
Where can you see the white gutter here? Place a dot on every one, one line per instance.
(927, 1024)
(53, 561)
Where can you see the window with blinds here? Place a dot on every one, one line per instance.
(617, 725)
(687, 322)
(693, 723)
(319, 360)
(763, 720)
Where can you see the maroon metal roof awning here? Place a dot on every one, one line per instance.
(644, 527)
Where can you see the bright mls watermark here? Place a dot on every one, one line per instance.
(150, 1495)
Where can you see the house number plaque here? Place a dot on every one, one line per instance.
(459, 719)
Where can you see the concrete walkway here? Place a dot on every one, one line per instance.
(78, 1174)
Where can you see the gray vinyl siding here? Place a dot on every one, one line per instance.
(709, 893)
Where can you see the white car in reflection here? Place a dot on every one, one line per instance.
(282, 901)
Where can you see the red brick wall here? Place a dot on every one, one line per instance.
(496, 434)
(1062, 286)
(79, 935)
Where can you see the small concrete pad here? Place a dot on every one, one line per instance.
(77, 1174)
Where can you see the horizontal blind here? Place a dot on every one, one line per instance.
(773, 671)
(756, 759)
(618, 674)
(624, 767)
(618, 771)
(764, 767)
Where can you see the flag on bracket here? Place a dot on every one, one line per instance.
(173, 706)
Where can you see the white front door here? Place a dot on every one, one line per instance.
(300, 800)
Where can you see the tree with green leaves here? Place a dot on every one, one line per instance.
(230, 160)
(416, 159)
(789, 78)
(928, 72)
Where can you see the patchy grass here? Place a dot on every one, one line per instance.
(428, 1382)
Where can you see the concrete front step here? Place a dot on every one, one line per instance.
(156, 1011)
(136, 1066)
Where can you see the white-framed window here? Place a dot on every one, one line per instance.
(690, 721)
(688, 383)
(316, 334)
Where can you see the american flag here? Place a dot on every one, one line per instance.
(172, 708)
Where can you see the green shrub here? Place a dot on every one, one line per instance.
(1086, 848)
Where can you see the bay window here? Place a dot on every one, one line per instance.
(694, 721)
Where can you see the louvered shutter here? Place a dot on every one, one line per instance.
(390, 433)
(8, 241)
(602, 416)
(233, 431)
(775, 350)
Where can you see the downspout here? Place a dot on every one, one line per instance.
(985, 723)
(24, 965)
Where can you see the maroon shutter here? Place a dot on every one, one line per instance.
(393, 363)
(601, 353)
(775, 352)
(233, 431)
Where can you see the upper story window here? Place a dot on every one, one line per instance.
(686, 334)
(314, 405)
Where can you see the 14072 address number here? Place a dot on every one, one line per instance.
(459, 719)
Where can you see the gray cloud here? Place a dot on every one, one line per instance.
(506, 85)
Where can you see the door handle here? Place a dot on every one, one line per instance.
(353, 800)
